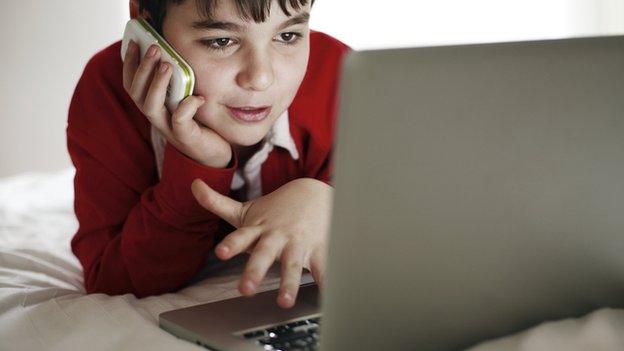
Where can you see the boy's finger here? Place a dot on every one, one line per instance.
(130, 64)
(291, 269)
(259, 263)
(183, 126)
(221, 205)
(317, 267)
(154, 106)
(237, 242)
(144, 75)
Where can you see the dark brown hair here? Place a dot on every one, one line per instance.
(258, 10)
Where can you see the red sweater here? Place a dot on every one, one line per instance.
(144, 235)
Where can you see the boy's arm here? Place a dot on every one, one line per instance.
(134, 236)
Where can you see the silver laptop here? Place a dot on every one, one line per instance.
(479, 191)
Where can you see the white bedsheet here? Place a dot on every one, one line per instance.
(43, 303)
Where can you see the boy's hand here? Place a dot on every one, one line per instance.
(146, 83)
(289, 225)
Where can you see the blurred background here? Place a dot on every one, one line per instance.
(45, 45)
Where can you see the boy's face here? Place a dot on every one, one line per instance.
(250, 64)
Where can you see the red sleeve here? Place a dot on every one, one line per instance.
(136, 234)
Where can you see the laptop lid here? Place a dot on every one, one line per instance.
(479, 191)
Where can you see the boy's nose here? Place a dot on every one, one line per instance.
(257, 72)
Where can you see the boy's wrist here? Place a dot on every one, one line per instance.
(174, 188)
(220, 161)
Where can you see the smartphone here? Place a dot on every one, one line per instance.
(182, 80)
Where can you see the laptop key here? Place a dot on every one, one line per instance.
(279, 330)
(280, 341)
(302, 335)
(254, 334)
(300, 343)
(315, 320)
(293, 324)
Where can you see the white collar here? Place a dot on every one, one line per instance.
(279, 135)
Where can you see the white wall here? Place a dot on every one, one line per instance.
(369, 24)
(45, 44)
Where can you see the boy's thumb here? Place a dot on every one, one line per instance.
(222, 206)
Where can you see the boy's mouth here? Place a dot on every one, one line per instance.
(249, 113)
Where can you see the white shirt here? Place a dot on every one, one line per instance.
(278, 135)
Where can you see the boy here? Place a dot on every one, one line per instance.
(244, 163)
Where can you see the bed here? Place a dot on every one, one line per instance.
(43, 302)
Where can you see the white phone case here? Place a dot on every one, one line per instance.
(182, 80)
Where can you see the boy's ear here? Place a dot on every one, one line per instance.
(146, 14)
(134, 8)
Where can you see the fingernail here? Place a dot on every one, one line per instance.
(163, 67)
(287, 297)
(131, 46)
(249, 286)
(223, 250)
(151, 52)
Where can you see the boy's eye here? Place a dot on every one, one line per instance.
(221, 44)
(218, 43)
(289, 38)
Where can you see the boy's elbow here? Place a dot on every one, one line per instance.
(95, 283)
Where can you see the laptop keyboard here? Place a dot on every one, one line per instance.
(301, 335)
